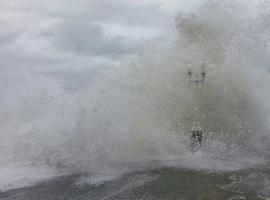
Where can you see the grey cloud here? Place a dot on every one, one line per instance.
(9, 31)
(88, 39)
(53, 37)
(6, 37)
(78, 25)
(119, 12)
(99, 11)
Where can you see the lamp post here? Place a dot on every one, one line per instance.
(196, 79)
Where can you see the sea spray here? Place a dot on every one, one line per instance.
(141, 111)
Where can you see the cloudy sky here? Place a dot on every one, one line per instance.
(69, 38)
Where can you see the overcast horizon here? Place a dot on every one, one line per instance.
(68, 39)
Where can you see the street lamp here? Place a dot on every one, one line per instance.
(196, 130)
(196, 80)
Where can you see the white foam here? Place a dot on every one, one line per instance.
(96, 179)
(201, 162)
(13, 177)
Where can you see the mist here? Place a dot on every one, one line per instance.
(92, 102)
